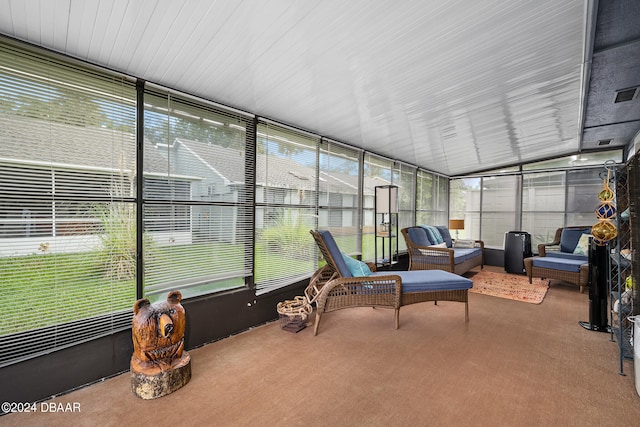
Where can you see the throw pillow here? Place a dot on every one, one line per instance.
(582, 248)
(464, 244)
(569, 238)
(357, 268)
(440, 245)
(429, 253)
(434, 234)
(446, 236)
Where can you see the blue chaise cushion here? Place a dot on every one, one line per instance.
(333, 249)
(428, 280)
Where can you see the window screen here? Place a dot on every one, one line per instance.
(543, 204)
(377, 172)
(404, 176)
(67, 203)
(464, 203)
(196, 209)
(431, 199)
(499, 202)
(286, 199)
(339, 201)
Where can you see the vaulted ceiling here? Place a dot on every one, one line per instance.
(454, 87)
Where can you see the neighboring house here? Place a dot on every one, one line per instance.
(289, 183)
(53, 178)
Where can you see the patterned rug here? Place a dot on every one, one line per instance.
(509, 286)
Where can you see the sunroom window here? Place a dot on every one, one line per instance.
(67, 193)
(197, 226)
(286, 199)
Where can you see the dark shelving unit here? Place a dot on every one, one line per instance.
(386, 216)
(623, 296)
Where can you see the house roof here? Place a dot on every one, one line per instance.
(24, 139)
(284, 172)
(62, 145)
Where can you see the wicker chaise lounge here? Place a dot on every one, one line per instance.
(334, 287)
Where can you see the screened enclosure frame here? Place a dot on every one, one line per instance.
(74, 139)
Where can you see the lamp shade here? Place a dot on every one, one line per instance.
(456, 224)
(386, 199)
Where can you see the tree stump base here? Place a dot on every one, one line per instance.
(147, 386)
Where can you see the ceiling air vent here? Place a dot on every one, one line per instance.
(624, 95)
(605, 141)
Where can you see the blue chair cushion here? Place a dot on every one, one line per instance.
(428, 280)
(556, 263)
(332, 246)
(569, 238)
(460, 255)
(357, 268)
(418, 235)
(566, 255)
(465, 254)
(446, 235)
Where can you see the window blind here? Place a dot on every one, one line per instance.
(431, 198)
(197, 215)
(404, 176)
(500, 197)
(464, 203)
(377, 171)
(67, 246)
(286, 199)
(583, 187)
(339, 189)
(543, 204)
(425, 198)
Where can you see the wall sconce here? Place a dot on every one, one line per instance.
(456, 224)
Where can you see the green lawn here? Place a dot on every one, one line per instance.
(47, 289)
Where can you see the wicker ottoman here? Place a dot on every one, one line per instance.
(580, 278)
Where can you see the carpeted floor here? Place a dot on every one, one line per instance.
(512, 364)
(509, 286)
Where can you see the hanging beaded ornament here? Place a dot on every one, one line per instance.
(604, 230)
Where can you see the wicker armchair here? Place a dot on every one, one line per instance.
(580, 277)
(332, 287)
(555, 244)
(557, 261)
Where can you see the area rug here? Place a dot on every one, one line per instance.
(509, 286)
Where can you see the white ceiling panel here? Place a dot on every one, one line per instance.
(450, 86)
